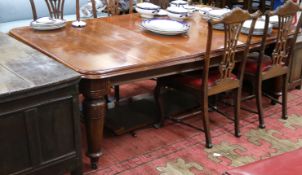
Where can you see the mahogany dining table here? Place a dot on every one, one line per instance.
(116, 50)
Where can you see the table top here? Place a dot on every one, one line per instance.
(117, 45)
(23, 68)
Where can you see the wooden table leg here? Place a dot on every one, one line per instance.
(94, 108)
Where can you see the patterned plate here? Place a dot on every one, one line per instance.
(165, 26)
(259, 27)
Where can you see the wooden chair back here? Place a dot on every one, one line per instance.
(232, 22)
(262, 4)
(113, 7)
(217, 3)
(162, 3)
(55, 8)
(286, 34)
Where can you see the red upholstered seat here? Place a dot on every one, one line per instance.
(251, 63)
(195, 81)
(289, 163)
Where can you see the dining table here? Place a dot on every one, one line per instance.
(116, 50)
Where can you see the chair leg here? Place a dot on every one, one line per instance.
(159, 105)
(259, 103)
(284, 96)
(206, 123)
(107, 101)
(117, 93)
(237, 100)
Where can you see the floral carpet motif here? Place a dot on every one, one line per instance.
(179, 150)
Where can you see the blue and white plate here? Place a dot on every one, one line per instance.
(219, 26)
(47, 23)
(259, 27)
(165, 26)
(162, 12)
(218, 13)
(204, 10)
(274, 20)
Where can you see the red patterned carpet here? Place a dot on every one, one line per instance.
(179, 150)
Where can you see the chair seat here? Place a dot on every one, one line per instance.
(195, 81)
(251, 63)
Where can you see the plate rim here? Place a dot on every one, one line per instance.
(185, 25)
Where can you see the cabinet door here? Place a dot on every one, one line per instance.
(38, 135)
(296, 67)
(14, 143)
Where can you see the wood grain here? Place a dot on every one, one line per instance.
(117, 45)
(115, 50)
(23, 68)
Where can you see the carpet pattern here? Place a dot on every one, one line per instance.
(179, 150)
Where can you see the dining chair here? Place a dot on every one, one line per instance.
(55, 8)
(261, 5)
(238, 3)
(114, 9)
(206, 83)
(261, 67)
(216, 3)
(162, 3)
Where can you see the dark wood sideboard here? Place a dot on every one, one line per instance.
(39, 113)
(295, 76)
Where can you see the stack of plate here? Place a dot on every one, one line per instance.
(162, 12)
(147, 9)
(274, 20)
(190, 8)
(165, 26)
(47, 23)
(217, 14)
(259, 27)
(178, 3)
(178, 13)
(204, 10)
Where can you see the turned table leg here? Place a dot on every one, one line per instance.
(94, 108)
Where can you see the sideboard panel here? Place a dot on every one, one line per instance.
(41, 133)
(13, 136)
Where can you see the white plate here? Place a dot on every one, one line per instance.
(147, 6)
(162, 12)
(204, 10)
(50, 27)
(46, 20)
(177, 10)
(259, 27)
(274, 20)
(218, 13)
(178, 3)
(190, 8)
(165, 33)
(219, 26)
(165, 26)
(59, 22)
(47, 23)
